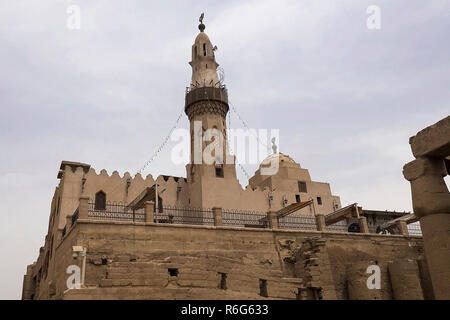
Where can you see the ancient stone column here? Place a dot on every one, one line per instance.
(435, 231)
(429, 191)
(217, 213)
(83, 207)
(431, 203)
(425, 279)
(320, 222)
(357, 277)
(405, 280)
(402, 227)
(273, 219)
(149, 211)
(364, 227)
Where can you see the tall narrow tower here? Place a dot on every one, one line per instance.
(206, 105)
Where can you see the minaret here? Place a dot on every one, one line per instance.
(203, 62)
(206, 106)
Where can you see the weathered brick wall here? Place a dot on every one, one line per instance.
(366, 250)
(127, 261)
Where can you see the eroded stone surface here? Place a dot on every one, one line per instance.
(433, 141)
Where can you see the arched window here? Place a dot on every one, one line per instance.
(100, 200)
(354, 227)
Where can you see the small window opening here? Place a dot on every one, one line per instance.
(104, 261)
(263, 288)
(297, 198)
(173, 272)
(354, 227)
(204, 49)
(302, 186)
(219, 171)
(223, 281)
(319, 200)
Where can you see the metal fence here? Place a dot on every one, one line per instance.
(340, 226)
(115, 212)
(414, 229)
(302, 222)
(244, 218)
(179, 215)
(204, 216)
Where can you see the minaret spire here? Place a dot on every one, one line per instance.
(203, 63)
(201, 26)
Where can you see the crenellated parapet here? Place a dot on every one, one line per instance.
(84, 181)
(72, 166)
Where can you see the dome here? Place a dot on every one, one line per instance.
(202, 38)
(282, 159)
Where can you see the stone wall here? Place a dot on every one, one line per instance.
(148, 261)
(80, 180)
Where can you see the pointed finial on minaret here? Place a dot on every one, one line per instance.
(201, 26)
(274, 146)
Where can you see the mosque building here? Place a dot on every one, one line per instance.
(205, 232)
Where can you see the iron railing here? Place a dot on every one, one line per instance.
(204, 216)
(116, 212)
(180, 215)
(340, 226)
(244, 219)
(216, 85)
(414, 229)
(205, 93)
(302, 222)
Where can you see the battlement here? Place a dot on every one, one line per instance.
(72, 165)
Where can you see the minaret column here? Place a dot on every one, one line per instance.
(431, 199)
(211, 168)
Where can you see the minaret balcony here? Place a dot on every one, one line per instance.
(206, 94)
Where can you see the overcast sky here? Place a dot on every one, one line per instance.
(345, 98)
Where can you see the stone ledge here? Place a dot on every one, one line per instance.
(433, 141)
(241, 229)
